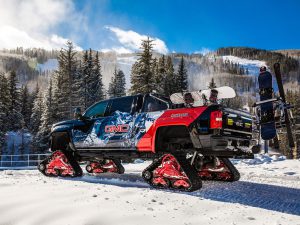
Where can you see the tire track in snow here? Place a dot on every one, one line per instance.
(271, 197)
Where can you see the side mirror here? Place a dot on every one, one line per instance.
(77, 113)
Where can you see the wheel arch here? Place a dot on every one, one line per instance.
(60, 140)
(174, 137)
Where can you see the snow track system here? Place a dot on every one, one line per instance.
(105, 166)
(61, 164)
(172, 171)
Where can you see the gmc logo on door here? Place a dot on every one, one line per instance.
(121, 128)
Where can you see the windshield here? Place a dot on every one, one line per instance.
(96, 110)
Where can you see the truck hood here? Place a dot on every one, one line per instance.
(67, 124)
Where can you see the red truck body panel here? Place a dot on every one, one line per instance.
(172, 117)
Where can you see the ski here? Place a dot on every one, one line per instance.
(286, 114)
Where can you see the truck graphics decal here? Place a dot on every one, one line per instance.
(119, 130)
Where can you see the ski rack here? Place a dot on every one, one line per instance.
(266, 101)
(279, 105)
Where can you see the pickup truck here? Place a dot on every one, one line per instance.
(187, 144)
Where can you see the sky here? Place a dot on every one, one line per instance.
(189, 26)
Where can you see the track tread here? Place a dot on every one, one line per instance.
(186, 167)
(232, 169)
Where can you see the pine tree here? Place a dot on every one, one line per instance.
(14, 105)
(4, 100)
(79, 88)
(99, 87)
(170, 82)
(182, 81)
(85, 73)
(65, 76)
(159, 77)
(141, 73)
(37, 111)
(120, 84)
(112, 92)
(91, 92)
(117, 84)
(26, 105)
(2, 122)
(154, 69)
(48, 117)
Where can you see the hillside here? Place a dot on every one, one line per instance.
(228, 66)
(295, 53)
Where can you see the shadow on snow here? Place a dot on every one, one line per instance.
(270, 197)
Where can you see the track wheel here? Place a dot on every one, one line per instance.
(105, 166)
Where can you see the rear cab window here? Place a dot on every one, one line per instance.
(123, 104)
(152, 104)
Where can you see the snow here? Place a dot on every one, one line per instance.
(268, 193)
(252, 65)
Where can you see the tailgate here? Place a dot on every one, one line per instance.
(237, 121)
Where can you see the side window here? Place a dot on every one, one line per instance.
(97, 110)
(152, 104)
(122, 104)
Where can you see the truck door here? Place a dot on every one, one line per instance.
(113, 131)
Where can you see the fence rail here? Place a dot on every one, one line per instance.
(24, 160)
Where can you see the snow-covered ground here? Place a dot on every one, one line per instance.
(268, 193)
(252, 65)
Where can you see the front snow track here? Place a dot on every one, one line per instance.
(61, 164)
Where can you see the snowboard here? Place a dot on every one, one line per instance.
(222, 92)
(201, 96)
(282, 96)
(267, 120)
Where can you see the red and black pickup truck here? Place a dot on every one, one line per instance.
(186, 144)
